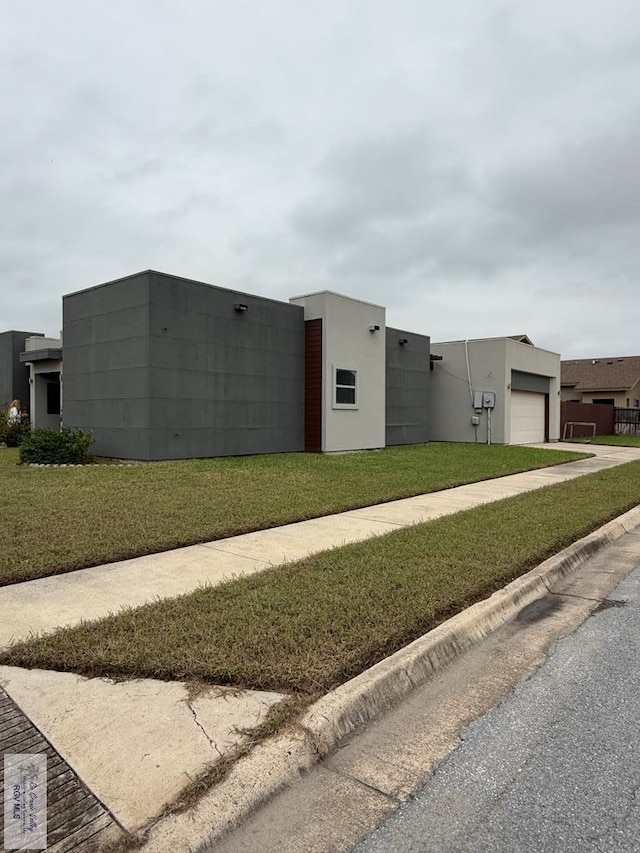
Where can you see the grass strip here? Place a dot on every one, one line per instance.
(614, 440)
(309, 626)
(55, 520)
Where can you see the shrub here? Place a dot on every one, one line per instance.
(67, 447)
(12, 434)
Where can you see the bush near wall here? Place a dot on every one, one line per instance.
(48, 446)
(12, 434)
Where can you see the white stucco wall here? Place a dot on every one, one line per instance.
(490, 361)
(348, 343)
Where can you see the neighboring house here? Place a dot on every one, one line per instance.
(612, 381)
(161, 367)
(494, 390)
(14, 376)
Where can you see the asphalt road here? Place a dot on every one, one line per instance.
(555, 766)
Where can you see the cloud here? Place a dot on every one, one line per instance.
(470, 166)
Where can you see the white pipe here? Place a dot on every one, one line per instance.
(466, 352)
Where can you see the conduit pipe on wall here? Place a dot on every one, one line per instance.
(466, 352)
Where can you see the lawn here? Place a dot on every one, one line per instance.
(58, 519)
(616, 440)
(309, 626)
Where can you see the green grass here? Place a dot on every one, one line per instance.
(309, 626)
(616, 440)
(58, 519)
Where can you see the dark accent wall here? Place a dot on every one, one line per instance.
(313, 386)
(407, 387)
(14, 376)
(521, 381)
(223, 382)
(106, 366)
(161, 367)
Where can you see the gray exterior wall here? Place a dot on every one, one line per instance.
(407, 388)
(14, 376)
(161, 367)
(494, 364)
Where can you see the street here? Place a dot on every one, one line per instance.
(527, 742)
(556, 767)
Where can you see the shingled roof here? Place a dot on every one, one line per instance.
(601, 374)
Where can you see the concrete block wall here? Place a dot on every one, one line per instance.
(222, 381)
(106, 365)
(407, 387)
(161, 367)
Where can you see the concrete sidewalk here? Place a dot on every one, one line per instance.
(41, 606)
(137, 744)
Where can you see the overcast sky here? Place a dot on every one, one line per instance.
(472, 166)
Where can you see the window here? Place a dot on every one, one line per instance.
(345, 389)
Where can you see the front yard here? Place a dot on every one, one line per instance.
(56, 520)
(306, 627)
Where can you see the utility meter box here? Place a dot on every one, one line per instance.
(488, 399)
(477, 400)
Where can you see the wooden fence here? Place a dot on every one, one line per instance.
(580, 420)
(627, 421)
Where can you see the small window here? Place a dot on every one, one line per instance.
(346, 389)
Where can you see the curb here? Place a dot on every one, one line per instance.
(282, 760)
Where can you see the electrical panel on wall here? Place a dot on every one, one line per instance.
(484, 400)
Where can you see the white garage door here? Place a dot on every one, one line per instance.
(527, 417)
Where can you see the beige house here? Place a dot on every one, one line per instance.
(612, 381)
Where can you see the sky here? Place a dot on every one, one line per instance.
(472, 166)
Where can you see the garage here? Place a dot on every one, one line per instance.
(528, 419)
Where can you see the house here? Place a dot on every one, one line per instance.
(14, 376)
(494, 390)
(161, 367)
(611, 381)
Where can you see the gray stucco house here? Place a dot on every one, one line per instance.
(162, 367)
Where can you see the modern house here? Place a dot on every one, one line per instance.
(611, 381)
(494, 390)
(162, 367)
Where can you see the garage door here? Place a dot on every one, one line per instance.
(527, 417)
